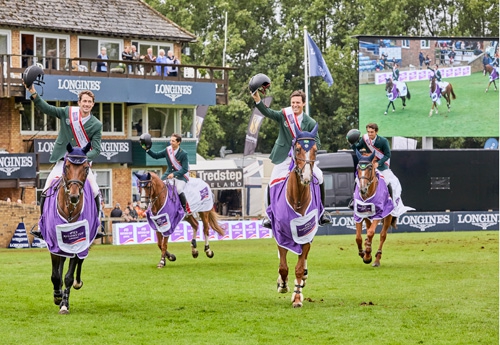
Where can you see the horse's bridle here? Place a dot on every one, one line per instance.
(66, 184)
(367, 166)
(149, 183)
(296, 169)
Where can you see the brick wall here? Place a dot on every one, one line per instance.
(13, 214)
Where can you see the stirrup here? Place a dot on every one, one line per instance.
(325, 219)
(266, 223)
(37, 234)
(100, 235)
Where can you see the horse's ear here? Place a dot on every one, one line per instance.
(372, 156)
(315, 130)
(69, 148)
(297, 130)
(149, 176)
(87, 147)
(137, 175)
(358, 154)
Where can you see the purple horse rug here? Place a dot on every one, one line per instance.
(70, 239)
(494, 74)
(378, 206)
(290, 229)
(169, 215)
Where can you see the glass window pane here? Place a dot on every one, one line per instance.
(106, 117)
(51, 123)
(102, 178)
(26, 117)
(118, 117)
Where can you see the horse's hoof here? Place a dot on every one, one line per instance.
(210, 254)
(63, 310)
(393, 110)
(194, 253)
(297, 305)
(171, 257)
(282, 286)
(385, 113)
(376, 264)
(367, 261)
(76, 285)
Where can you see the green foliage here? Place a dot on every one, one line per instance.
(432, 288)
(267, 37)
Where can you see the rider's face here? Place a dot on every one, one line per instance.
(297, 105)
(174, 143)
(86, 104)
(371, 133)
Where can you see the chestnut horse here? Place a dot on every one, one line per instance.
(372, 204)
(69, 223)
(493, 72)
(164, 212)
(437, 92)
(294, 212)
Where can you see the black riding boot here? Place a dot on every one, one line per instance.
(182, 198)
(97, 200)
(324, 218)
(35, 233)
(267, 223)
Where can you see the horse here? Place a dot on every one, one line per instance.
(69, 223)
(396, 90)
(436, 92)
(294, 212)
(372, 204)
(164, 212)
(493, 72)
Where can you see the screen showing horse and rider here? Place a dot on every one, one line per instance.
(429, 87)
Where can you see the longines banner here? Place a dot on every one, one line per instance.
(17, 165)
(112, 151)
(127, 90)
(422, 222)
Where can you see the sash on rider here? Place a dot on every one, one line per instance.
(175, 163)
(378, 153)
(75, 118)
(290, 120)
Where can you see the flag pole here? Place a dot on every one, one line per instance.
(306, 71)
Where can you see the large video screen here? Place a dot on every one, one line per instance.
(473, 112)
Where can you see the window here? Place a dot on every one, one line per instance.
(42, 178)
(405, 44)
(51, 51)
(142, 47)
(32, 120)
(425, 44)
(4, 42)
(103, 178)
(111, 116)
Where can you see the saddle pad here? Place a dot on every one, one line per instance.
(381, 200)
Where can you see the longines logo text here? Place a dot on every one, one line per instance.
(482, 220)
(423, 222)
(9, 164)
(76, 85)
(110, 149)
(173, 91)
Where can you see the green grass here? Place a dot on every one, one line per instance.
(473, 114)
(432, 288)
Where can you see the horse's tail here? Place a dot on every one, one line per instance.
(213, 220)
(452, 93)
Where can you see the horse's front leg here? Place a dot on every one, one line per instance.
(68, 283)
(359, 239)
(56, 277)
(194, 225)
(370, 232)
(78, 282)
(383, 235)
(282, 282)
(297, 296)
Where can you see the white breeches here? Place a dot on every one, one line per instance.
(179, 184)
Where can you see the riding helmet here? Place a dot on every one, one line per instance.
(145, 140)
(259, 82)
(353, 136)
(33, 75)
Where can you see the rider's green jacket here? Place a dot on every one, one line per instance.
(381, 145)
(181, 156)
(283, 143)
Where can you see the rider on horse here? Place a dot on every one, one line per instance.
(77, 127)
(372, 142)
(395, 72)
(287, 119)
(177, 171)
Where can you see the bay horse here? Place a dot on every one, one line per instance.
(69, 223)
(436, 93)
(372, 204)
(396, 90)
(294, 212)
(493, 72)
(164, 212)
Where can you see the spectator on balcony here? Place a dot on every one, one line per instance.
(28, 53)
(136, 57)
(127, 56)
(102, 66)
(149, 58)
(51, 60)
(116, 213)
(161, 59)
(138, 127)
(171, 59)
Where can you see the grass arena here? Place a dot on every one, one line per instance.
(433, 288)
(474, 113)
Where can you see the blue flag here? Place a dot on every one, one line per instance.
(317, 65)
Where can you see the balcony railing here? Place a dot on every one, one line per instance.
(11, 82)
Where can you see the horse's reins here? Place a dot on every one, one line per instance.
(149, 183)
(364, 167)
(67, 183)
(299, 171)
